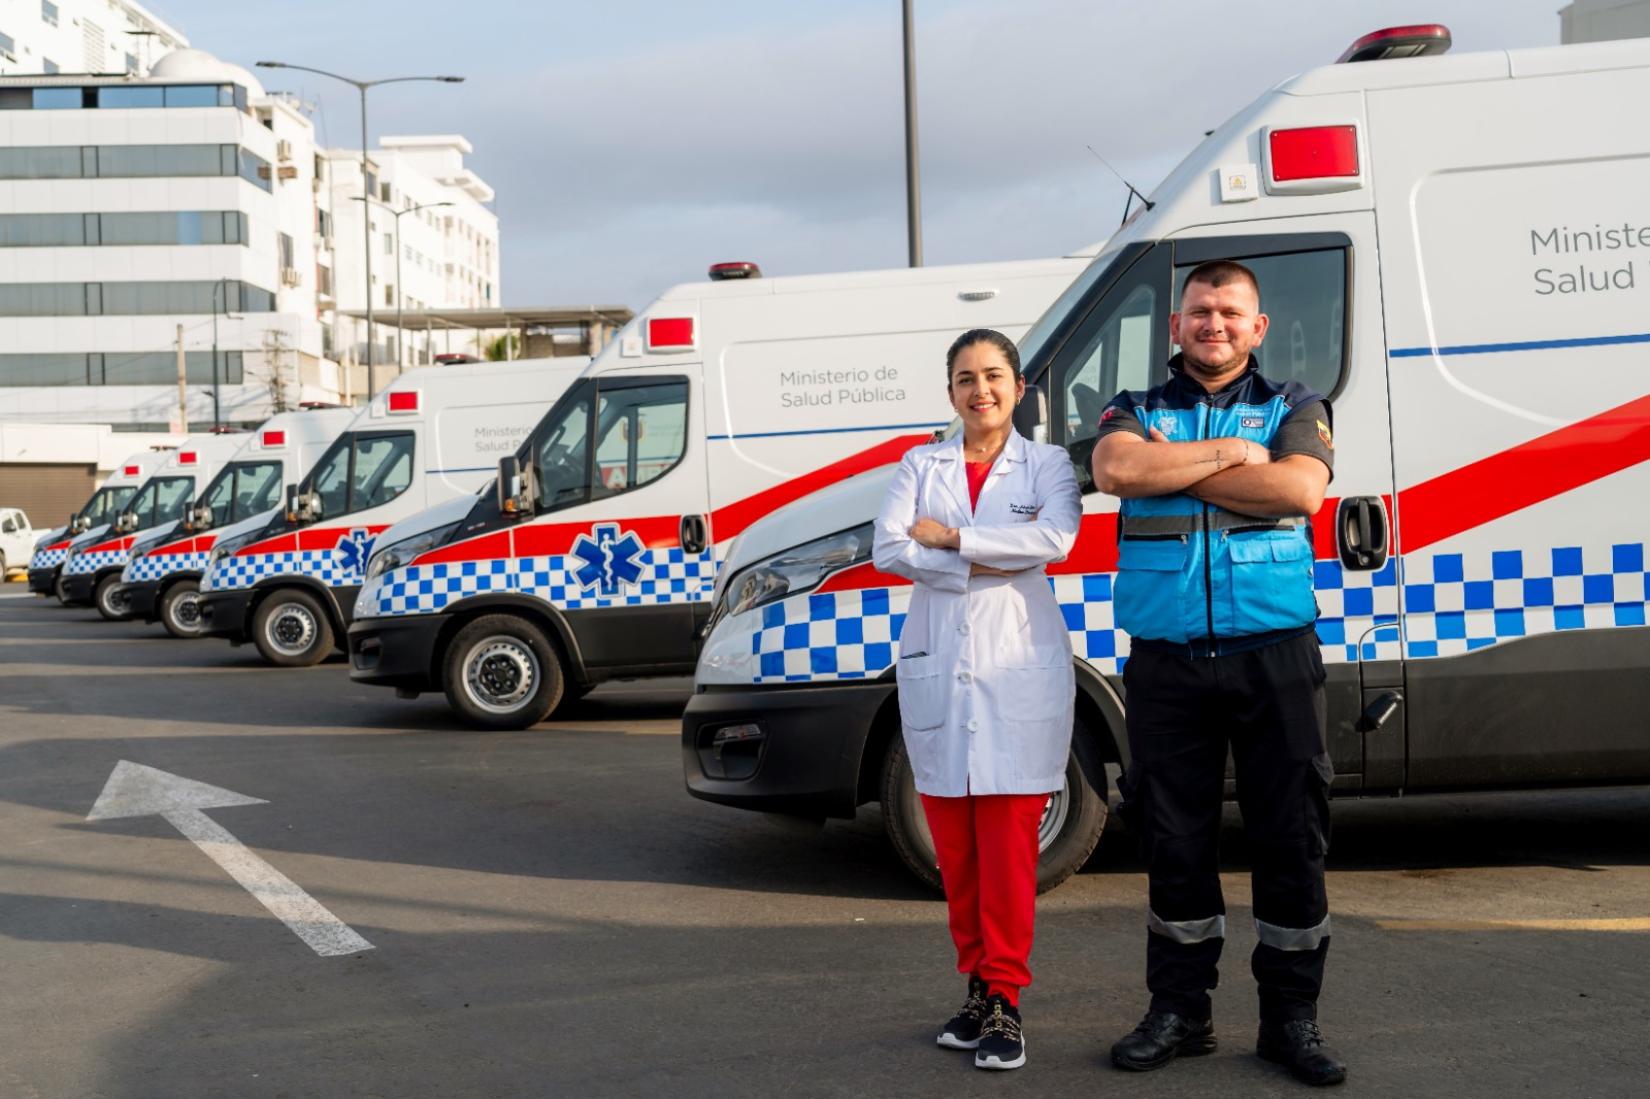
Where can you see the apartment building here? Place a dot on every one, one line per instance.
(106, 37)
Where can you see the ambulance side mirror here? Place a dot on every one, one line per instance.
(1031, 415)
(76, 523)
(200, 517)
(515, 487)
(302, 507)
(125, 522)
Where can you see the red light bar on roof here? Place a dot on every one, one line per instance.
(1312, 160)
(670, 333)
(132, 471)
(740, 269)
(402, 401)
(188, 458)
(1415, 40)
(273, 439)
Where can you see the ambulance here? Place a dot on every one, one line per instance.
(161, 580)
(1455, 250)
(46, 562)
(722, 400)
(94, 561)
(288, 583)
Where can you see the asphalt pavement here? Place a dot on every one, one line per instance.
(550, 914)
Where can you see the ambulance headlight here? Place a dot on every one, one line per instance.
(403, 552)
(795, 570)
(225, 547)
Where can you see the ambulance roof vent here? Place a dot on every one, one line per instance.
(740, 269)
(1416, 40)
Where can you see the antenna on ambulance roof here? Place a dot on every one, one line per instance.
(1133, 194)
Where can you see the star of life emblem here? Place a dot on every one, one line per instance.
(609, 557)
(354, 549)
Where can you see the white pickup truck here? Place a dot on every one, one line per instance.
(17, 540)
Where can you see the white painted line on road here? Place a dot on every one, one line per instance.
(1622, 924)
(134, 790)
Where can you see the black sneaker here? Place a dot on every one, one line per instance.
(963, 1031)
(1001, 1045)
(1160, 1038)
(1299, 1047)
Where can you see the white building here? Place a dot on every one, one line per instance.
(82, 36)
(449, 250)
(131, 207)
(1601, 20)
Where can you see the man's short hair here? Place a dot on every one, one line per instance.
(1219, 272)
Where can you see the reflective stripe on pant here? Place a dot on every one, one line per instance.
(987, 851)
(1267, 705)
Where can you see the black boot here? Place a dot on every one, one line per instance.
(1299, 1046)
(963, 1031)
(1160, 1038)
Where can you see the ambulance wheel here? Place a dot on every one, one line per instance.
(180, 609)
(501, 672)
(110, 601)
(59, 590)
(1067, 836)
(291, 629)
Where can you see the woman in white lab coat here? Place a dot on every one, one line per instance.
(986, 687)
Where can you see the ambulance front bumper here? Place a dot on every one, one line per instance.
(78, 588)
(395, 652)
(795, 750)
(43, 581)
(142, 597)
(225, 614)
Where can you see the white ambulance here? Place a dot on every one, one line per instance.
(93, 564)
(161, 580)
(1455, 249)
(434, 434)
(721, 401)
(46, 563)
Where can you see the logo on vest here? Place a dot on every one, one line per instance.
(1253, 421)
(1165, 422)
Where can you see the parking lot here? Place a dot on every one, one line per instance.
(550, 914)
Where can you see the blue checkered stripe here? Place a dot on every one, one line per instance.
(1456, 603)
(245, 570)
(47, 559)
(665, 576)
(153, 567)
(82, 563)
(1459, 602)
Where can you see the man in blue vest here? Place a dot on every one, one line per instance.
(1219, 470)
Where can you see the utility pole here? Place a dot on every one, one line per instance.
(913, 195)
(183, 392)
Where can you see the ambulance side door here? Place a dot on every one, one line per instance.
(636, 544)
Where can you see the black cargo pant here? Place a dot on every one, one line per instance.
(1267, 705)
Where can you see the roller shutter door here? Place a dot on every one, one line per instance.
(46, 492)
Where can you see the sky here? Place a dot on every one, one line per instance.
(632, 143)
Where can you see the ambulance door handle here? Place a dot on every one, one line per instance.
(1362, 534)
(692, 534)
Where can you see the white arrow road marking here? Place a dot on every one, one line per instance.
(134, 790)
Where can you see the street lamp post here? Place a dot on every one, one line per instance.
(362, 86)
(400, 291)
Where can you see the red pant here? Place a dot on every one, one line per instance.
(987, 848)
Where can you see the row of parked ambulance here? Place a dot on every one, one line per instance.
(1456, 249)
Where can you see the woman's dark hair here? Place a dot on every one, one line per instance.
(983, 335)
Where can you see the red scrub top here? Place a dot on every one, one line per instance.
(977, 473)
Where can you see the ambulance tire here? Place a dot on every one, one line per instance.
(502, 672)
(59, 590)
(291, 629)
(110, 601)
(1078, 816)
(180, 610)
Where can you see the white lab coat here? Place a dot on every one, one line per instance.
(986, 686)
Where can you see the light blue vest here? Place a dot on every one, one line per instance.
(1188, 570)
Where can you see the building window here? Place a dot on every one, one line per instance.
(288, 250)
(323, 280)
(166, 227)
(82, 299)
(131, 63)
(255, 169)
(389, 293)
(384, 192)
(48, 12)
(389, 244)
(8, 48)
